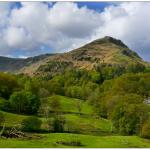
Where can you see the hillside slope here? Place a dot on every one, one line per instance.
(106, 50)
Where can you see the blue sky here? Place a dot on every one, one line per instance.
(98, 6)
(94, 5)
(33, 28)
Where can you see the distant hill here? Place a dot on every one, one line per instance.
(14, 64)
(105, 50)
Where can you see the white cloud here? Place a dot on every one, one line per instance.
(64, 26)
(4, 12)
(15, 37)
(60, 27)
(72, 21)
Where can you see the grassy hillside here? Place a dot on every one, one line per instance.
(13, 119)
(74, 122)
(70, 105)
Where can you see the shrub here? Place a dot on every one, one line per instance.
(55, 104)
(2, 102)
(58, 124)
(2, 119)
(145, 133)
(31, 124)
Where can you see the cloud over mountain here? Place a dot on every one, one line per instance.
(37, 27)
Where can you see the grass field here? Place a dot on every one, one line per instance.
(87, 141)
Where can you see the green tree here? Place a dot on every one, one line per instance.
(2, 103)
(55, 87)
(33, 103)
(135, 67)
(145, 133)
(95, 76)
(43, 93)
(8, 84)
(2, 119)
(79, 106)
(31, 124)
(32, 85)
(58, 124)
(24, 102)
(18, 102)
(129, 118)
(55, 104)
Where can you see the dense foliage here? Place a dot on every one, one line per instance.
(115, 92)
(8, 84)
(24, 102)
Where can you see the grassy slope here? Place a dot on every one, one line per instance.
(71, 104)
(88, 125)
(13, 119)
(88, 141)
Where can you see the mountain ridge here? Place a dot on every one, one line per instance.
(104, 50)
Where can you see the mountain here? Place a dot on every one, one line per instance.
(105, 50)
